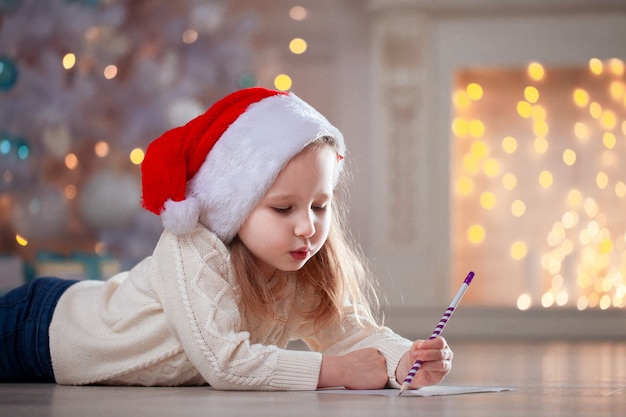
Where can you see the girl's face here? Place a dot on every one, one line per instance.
(291, 222)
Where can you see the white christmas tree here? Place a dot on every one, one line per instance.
(82, 85)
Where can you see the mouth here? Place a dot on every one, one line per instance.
(300, 254)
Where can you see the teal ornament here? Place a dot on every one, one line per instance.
(247, 80)
(5, 144)
(17, 165)
(14, 144)
(23, 151)
(8, 73)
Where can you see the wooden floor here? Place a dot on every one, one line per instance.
(549, 378)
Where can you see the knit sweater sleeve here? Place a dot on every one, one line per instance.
(353, 333)
(193, 277)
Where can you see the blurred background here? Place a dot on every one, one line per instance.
(487, 135)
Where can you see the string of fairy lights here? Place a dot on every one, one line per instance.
(543, 184)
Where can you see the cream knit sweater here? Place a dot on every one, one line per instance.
(173, 320)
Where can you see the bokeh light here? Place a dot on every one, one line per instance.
(460, 127)
(474, 91)
(69, 60)
(487, 200)
(531, 94)
(101, 149)
(524, 301)
(460, 99)
(541, 145)
(609, 140)
(569, 157)
(491, 168)
(71, 161)
(536, 71)
(70, 191)
(616, 66)
(21, 240)
(524, 109)
(282, 82)
(476, 128)
(581, 131)
(518, 208)
(298, 46)
(581, 97)
(518, 250)
(136, 156)
(509, 144)
(480, 149)
(110, 72)
(476, 233)
(298, 13)
(464, 186)
(544, 176)
(595, 66)
(509, 181)
(546, 179)
(190, 36)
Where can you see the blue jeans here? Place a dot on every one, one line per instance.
(25, 316)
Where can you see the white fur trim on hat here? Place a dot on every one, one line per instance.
(248, 157)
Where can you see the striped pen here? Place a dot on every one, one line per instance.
(438, 329)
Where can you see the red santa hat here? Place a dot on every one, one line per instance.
(217, 167)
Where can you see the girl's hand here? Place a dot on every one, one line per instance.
(361, 369)
(437, 358)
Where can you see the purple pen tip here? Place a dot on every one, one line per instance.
(469, 278)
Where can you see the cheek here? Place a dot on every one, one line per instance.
(323, 227)
(258, 227)
(248, 230)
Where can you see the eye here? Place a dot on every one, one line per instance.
(319, 208)
(281, 209)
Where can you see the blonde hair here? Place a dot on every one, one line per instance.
(338, 274)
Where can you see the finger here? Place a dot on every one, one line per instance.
(431, 355)
(417, 344)
(443, 366)
(426, 353)
(433, 371)
(428, 377)
(436, 343)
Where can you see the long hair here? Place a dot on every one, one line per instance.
(338, 274)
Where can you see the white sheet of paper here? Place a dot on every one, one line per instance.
(431, 391)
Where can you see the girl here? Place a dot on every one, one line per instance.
(253, 255)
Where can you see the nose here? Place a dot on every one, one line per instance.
(305, 225)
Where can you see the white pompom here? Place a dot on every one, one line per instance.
(180, 217)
